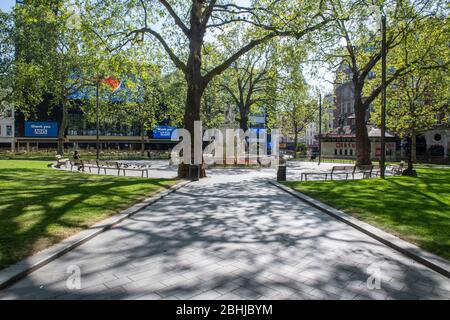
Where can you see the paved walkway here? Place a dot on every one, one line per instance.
(233, 236)
(162, 169)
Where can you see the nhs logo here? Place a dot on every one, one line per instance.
(41, 129)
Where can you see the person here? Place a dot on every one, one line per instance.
(77, 160)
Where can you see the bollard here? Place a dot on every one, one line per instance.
(194, 172)
(281, 173)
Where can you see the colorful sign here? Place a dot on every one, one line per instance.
(163, 132)
(113, 83)
(41, 129)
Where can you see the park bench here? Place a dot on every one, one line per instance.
(396, 169)
(334, 170)
(306, 174)
(75, 163)
(134, 167)
(60, 161)
(89, 164)
(104, 165)
(363, 169)
(376, 170)
(342, 170)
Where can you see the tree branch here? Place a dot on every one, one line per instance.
(175, 17)
(178, 63)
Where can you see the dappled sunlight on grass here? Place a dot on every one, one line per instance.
(40, 206)
(416, 209)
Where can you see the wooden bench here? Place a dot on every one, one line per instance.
(396, 169)
(334, 170)
(109, 165)
(363, 169)
(306, 174)
(60, 161)
(376, 170)
(342, 170)
(90, 164)
(134, 167)
(113, 165)
(75, 163)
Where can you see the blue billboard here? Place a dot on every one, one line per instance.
(163, 132)
(41, 129)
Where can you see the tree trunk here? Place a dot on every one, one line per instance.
(244, 111)
(62, 129)
(142, 139)
(362, 136)
(295, 140)
(410, 157)
(243, 121)
(413, 147)
(410, 171)
(195, 86)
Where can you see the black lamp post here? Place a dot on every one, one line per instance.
(383, 95)
(97, 118)
(320, 127)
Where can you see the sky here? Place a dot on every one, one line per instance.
(5, 5)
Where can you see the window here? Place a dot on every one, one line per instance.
(340, 152)
(437, 137)
(346, 152)
(9, 131)
(351, 152)
(8, 113)
(335, 152)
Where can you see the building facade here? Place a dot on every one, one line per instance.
(343, 146)
(344, 107)
(7, 129)
(437, 144)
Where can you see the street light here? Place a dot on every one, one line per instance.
(97, 85)
(383, 95)
(381, 19)
(320, 127)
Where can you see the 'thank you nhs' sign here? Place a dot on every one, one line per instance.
(163, 132)
(41, 129)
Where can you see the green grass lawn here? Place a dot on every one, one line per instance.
(41, 206)
(415, 209)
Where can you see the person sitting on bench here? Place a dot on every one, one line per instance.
(77, 160)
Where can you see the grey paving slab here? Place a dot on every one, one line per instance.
(233, 236)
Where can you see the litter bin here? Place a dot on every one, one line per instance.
(281, 173)
(194, 172)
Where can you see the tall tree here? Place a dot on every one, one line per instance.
(55, 58)
(362, 49)
(6, 58)
(249, 79)
(417, 102)
(298, 109)
(271, 18)
(6, 44)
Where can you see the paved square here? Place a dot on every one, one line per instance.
(233, 236)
